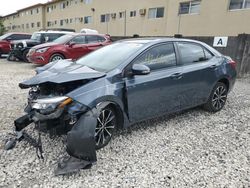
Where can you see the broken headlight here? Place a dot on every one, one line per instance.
(51, 103)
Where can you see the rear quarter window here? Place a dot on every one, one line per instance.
(94, 39)
(191, 53)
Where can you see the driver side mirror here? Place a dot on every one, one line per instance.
(8, 39)
(139, 69)
(71, 43)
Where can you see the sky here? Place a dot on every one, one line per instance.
(11, 6)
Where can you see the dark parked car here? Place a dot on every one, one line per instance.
(6, 39)
(70, 46)
(21, 48)
(123, 83)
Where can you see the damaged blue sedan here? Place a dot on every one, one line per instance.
(120, 84)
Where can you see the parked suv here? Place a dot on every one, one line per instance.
(21, 48)
(6, 39)
(70, 46)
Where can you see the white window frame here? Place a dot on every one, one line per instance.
(132, 13)
(189, 7)
(87, 1)
(242, 7)
(155, 12)
(88, 19)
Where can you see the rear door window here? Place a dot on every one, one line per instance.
(191, 53)
(52, 36)
(94, 39)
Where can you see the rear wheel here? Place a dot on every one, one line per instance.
(56, 57)
(106, 124)
(217, 98)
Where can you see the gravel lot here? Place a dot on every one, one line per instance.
(190, 149)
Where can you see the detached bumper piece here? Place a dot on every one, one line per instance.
(80, 145)
(80, 141)
(20, 124)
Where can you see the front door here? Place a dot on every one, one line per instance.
(158, 92)
(77, 47)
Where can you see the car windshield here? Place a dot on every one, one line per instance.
(63, 39)
(4, 36)
(109, 57)
(36, 36)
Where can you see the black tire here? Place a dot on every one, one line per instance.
(56, 57)
(105, 128)
(217, 98)
(24, 56)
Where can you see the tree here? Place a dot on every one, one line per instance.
(2, 28)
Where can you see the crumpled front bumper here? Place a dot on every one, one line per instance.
(80, 144)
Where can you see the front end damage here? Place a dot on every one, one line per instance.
(52, 111)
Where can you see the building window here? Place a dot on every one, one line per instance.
(78, 20)
(133, 13)
(63, 5)
(105, 18)
(61, 22)
(31, 12)
(37, 10)
(87, 1)
(32, 25)
(239, 4)
(121, 14)
(87, 19)
(38, 24)
(191, 7)
(156, 12)
(27, 26)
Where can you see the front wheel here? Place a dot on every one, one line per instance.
(56, 57)
(218, 98)
(106, 124)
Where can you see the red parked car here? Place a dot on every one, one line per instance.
(6, 39)
(70, 46)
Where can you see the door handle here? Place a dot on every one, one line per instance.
(176, 76)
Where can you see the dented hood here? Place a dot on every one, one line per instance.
(61, 72)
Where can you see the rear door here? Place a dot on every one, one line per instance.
(158, 92)
(94, 42)
(199, 73)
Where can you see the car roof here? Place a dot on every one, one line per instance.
(19, 33)
(53, 31)
(157, 40)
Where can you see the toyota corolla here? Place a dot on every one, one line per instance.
(123, 83)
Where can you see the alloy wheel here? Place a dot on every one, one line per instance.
(219, 97)
(56, 58)
(105, 127)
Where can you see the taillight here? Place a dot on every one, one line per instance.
(232, 63)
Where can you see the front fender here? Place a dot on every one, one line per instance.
(98, 91)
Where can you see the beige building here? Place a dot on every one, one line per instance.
(142, 17)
